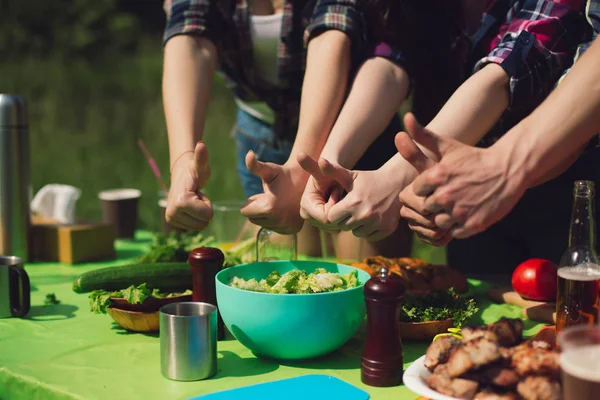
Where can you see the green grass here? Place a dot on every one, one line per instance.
(85, 120)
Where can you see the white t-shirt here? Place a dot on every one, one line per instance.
(265, 31)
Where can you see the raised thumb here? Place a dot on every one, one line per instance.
(265, 171)
(338, 173)
(411, 152)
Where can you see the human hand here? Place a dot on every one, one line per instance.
(320, 193)
(468, 190)
(413, 209)
(278, 208)
(370, 208)
(187, 207)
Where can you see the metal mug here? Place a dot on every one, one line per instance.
(188, 341)
(15, 291)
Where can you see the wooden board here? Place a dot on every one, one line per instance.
(535, 310)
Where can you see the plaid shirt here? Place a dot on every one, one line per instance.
(534, 41)
(226, 23)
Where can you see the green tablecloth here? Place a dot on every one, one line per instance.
(66, 352)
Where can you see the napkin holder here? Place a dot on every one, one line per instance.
(79, 242)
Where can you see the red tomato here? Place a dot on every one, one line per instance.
(536, 279)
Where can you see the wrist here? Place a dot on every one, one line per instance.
(515, 156)
(181, 162)
(398, 172)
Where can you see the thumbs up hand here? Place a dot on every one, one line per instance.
(370, 207)
(187, 207)
(278, 208)
(465, 192)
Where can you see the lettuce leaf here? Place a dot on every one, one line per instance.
(100, 299)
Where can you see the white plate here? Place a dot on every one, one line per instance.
(415, 377)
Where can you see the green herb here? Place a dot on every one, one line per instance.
(243, 253)
(174, 246)
(51, 299)
(100, 299)
(438, 306)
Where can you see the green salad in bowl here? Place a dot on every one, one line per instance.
(291, 310)
(299, 282)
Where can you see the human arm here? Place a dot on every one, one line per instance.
(377, 92)
(473, 188)
(323, 91)
(190, 59)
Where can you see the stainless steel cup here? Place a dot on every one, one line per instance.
(188, 341)
(14, 288)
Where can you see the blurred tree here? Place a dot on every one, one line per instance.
(77, 28)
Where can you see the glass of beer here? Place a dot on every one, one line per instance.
(577, 297)
(580, 362)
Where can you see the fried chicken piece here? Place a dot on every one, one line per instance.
(506, 332)
(489, 394)
(411, 262)
(415, 280)
(498, 375)
(441, 382)
(539, 388)
(452, 277)
(472, 355)
(440, 351)
(536, 361)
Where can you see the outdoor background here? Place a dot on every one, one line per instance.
(90, 72)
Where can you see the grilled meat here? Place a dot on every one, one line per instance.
(535, 361)
(498, 375)
(507, 352)
(539, 388)
(457, 387)
(440, 351)
(506, 332)
(472, 355)
(489, 394)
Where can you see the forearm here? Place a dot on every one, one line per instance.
(548, 140)
(475, 107)
(378, 90)
(189, 66)
(323, 91)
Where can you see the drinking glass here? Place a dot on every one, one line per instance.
(580, 362)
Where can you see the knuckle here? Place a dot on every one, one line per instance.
(439, 174)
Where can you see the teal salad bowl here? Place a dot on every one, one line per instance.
(290, 326)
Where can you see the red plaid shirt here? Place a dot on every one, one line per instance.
(534, 41)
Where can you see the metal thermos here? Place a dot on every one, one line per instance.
(14, 177)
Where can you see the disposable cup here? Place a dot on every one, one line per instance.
(120, 208)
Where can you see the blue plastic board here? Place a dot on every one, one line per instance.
(314, 387)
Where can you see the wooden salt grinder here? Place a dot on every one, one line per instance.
(381, 363)
(205, 263)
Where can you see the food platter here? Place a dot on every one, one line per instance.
(415, 378)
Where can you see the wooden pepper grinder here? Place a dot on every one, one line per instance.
(381, 363)
(205, 263)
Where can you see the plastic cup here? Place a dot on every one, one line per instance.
(228, 225)
(120, 208)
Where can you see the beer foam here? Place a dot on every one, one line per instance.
(582, 362)
(583, 272)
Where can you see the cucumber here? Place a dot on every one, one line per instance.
(168, 277)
